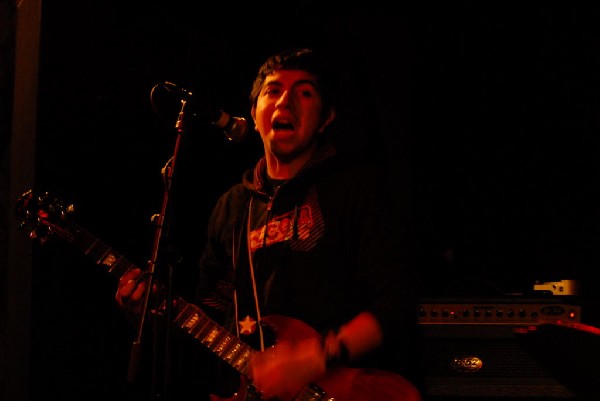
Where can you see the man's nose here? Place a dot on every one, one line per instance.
(285, 100)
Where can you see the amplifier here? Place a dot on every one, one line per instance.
(480, 348)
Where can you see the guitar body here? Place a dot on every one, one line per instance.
(340, 384)
(348, 384)
(241, 395)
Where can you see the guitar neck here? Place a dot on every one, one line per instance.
(189, 317)
(92, 247)
(216, 338)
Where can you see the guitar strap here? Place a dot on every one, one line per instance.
(237, 238)
(253, 279)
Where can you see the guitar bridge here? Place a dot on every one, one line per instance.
(312, 392)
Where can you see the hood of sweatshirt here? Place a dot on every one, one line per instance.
(256, 179)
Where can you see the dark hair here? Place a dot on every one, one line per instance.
(299, 59)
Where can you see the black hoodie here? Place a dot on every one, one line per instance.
(334, 247)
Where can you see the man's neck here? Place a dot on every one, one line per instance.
(283, 170)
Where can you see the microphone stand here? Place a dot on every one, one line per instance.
(159, 222)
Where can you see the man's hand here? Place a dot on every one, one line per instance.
(131, 291)
(284, 369)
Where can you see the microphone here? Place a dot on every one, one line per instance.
(234, 128)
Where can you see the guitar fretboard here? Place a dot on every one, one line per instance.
(227, 346)
(94, 248)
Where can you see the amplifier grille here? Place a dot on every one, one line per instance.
(482, 357)
(499, 358)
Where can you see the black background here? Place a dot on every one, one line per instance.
(486, 112)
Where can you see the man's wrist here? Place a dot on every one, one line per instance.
(336, 352)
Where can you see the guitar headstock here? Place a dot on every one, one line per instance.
(41, 214)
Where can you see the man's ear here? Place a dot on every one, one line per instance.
(328, 120)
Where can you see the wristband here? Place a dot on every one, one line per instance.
(337, 355)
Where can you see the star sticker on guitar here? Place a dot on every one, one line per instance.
(248, 325)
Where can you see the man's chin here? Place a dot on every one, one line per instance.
(287, 152)
(286, 157)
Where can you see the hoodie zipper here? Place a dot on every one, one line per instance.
(268, 217)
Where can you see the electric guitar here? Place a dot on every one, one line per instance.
(47, 216)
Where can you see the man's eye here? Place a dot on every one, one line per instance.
(272, 91)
